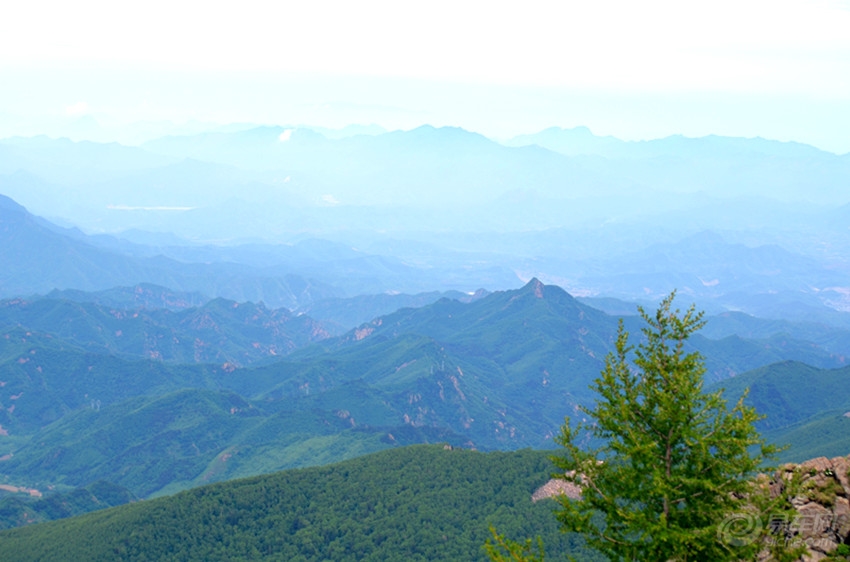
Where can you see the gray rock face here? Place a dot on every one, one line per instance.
(822, 503)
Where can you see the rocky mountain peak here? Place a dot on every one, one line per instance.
(536, 286)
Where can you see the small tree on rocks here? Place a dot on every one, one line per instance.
(672, 463)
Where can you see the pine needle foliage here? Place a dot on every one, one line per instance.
(502, 549)
(673, 462)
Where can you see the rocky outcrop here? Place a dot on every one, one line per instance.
(556, 487)
(821, 499)
(819, 491)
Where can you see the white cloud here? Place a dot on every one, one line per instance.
(285, 136)
(79, 108)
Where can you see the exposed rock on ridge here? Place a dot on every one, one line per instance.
(822, 504)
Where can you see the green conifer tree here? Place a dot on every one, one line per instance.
(671, 462)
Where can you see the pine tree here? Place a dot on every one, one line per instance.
(669, 462)
(502, 549)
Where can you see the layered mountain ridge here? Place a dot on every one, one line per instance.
(251, 299)
(500, 372)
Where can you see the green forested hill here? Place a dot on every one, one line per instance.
(161, 444)
(804, 407)
(420, 503)
(42, 379)
(16, 511)
(518, 328)
(824, 435)
(497, 373)
(219, 331)
(353, 311)
(139, 296)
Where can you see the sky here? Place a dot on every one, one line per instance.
(777, 69)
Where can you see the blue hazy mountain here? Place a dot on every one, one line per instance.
(428, 166)
(580, 140)
(572, 142)
(41, 256)
(706, 265)
(67, 162)
(718, 165)
(424, 179)
(38, 259)
(765, 280)
(489, 214)
(425, 166)
(142, 296)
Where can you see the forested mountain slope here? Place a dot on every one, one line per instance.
(501, 372)
(805, 408)
(219, 331)
(414, 503)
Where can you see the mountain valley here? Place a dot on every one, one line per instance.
(226, 305)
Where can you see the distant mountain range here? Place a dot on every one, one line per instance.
(767, 281)
(219, 331)
(739, 224)
(580, 140)
(86, 394)
(39, 257)
(270, 181)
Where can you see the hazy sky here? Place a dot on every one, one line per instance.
(779, 69)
